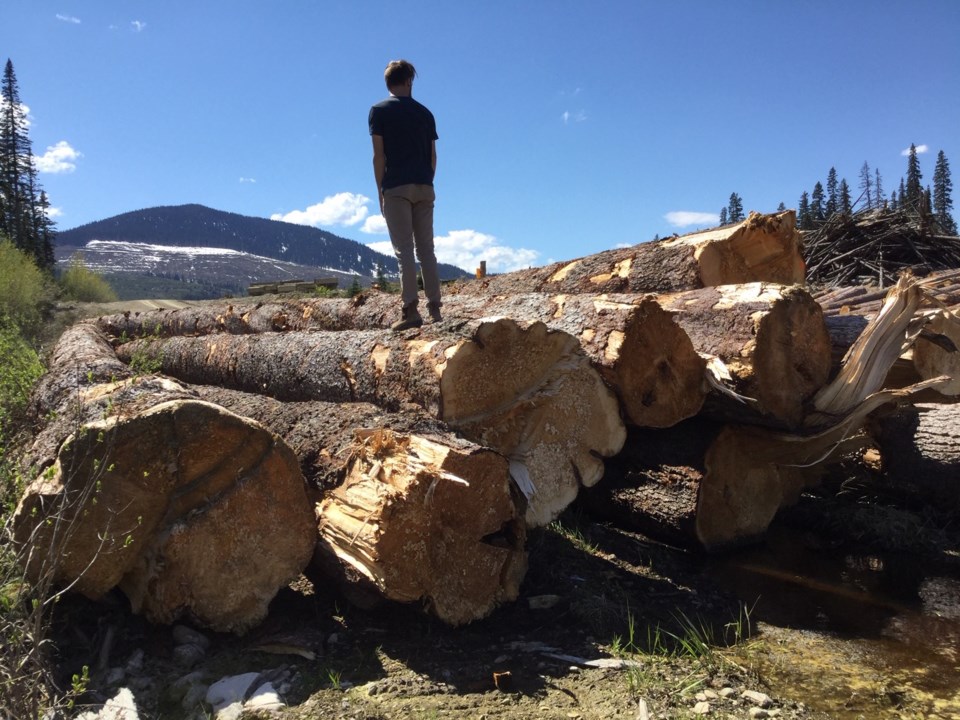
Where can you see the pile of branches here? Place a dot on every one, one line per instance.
(874, 246)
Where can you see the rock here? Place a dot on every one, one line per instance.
(121, 707)
(757, 698)
(701, 708)
(182, 635)
(727, 692)
(758, 712)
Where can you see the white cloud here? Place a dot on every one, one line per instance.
(138, 25)
(921, 149)
(340, 209)
(685, 218)
(374, 225)
(59, 158)
(577, 117)
(54, 212)
(466, 248)
(247, 180)
(68, 19)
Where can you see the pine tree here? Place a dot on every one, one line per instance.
(894, 205)
(735, 209)
(24, 217)
(781, 207)
(866, 184)
(903, 202)
(845, 205)
(878, 189)
(833, 200)
(723, 216)
(817, 207)
(914, 194)
(942, 195)
(803, 212)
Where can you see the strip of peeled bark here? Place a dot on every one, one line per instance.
(521, 389)
(637, 347)
(771, 338)
(189, 509)
(761, 248)
(411, 512)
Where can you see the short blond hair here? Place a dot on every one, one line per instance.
(398, 72)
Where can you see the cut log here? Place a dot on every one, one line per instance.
(772, 340)
(411, 513)
(761, 248)
(637, 348)
(143, 487)
(937, 351)
(521, 389)
(920, 455)
(421, 523)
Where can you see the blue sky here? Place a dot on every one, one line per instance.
(566, 127)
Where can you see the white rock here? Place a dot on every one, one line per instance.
(229, 690)
(758, 713)
(264, 697)
(727, 692)
(757, 698)
(120, 707)
(701, 708)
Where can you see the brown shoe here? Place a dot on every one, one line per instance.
(409, 319)
(434, 309)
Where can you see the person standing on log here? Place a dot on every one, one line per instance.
(404, 136)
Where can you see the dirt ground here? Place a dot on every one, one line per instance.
(681, 641)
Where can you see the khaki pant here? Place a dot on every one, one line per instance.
(408, 210)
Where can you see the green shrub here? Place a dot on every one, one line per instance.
(20, 369)
(82, 284)
(23, 288)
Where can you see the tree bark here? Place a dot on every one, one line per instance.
(409, 512)
(522, 389)
(771, 338)
(761, 248)
(638, 349)
(920, 454)
(188, 508)
(699, 484)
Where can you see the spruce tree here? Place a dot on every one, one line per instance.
(866, 184)
(818, 212)
(781, 207)
(942, 195)
(878, 189)
(21, 199)
(723, 216)
(914, 194)
(735, 209)
(845, 205)
(803, 212)
(833, 199)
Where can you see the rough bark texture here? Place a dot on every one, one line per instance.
(411, 512)
(638, 349)
(762, 248)
(771, 338)
(421, 522)
(937, 351)
(920, 454)
(523, 390)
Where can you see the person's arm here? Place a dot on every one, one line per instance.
(433, 156)
(379, 166)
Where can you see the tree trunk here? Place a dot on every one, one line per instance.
(188, 508)
(410, 512)
(523, 390)
(772, 340)
(641, 353)
(699, 484)
(920, 454)
(761, 248)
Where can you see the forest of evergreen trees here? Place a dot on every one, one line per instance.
(24, 208)
(817, 206)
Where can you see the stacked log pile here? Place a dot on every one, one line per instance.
(694, 373)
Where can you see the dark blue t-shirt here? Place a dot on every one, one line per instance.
(408, 131)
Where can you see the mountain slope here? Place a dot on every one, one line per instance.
(176, 242)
